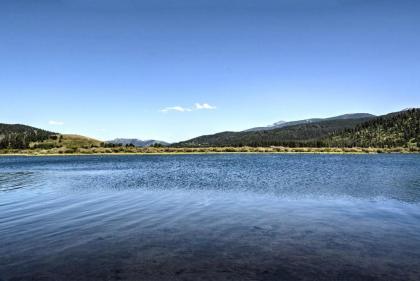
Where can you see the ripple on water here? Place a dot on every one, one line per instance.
(210, 217)
(17, 180)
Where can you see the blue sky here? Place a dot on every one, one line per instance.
(173, 70)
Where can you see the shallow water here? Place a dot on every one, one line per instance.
(210, 217)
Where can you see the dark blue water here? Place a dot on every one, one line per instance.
(210, 217)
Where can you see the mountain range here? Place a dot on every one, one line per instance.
(360, 129)
(398, 129)
(281, 124)
(137, 142)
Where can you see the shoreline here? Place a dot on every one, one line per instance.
(201, 151)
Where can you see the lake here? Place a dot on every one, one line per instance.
(210, 217)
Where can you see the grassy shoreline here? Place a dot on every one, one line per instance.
(63, 151)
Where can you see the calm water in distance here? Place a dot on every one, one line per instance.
(210, 217)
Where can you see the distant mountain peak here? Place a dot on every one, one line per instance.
(282, 124)
(137, 142)
(399, 128)
(279, 123)
(409, 108)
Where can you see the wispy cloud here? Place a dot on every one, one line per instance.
(197, 106)
(176, 108)
(55, 123)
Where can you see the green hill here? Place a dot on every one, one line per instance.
(281, 124)
(309, 134)
(16, 136)
(66, 141)
(400, 129)
(20, 136)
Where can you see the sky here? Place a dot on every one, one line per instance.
(175, 69)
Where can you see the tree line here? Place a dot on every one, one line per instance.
(399, 129)
(20, 136)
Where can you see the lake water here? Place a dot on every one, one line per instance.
(210, 217)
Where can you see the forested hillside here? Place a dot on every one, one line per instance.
(309, 134)
(282, 124)
(20, 136)
(401, 129)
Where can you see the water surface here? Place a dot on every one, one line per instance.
(210, 217)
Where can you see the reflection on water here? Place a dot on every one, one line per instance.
(214, 217)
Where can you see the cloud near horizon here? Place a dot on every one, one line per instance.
(55, 123)
(197, 106)
(176, 108)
